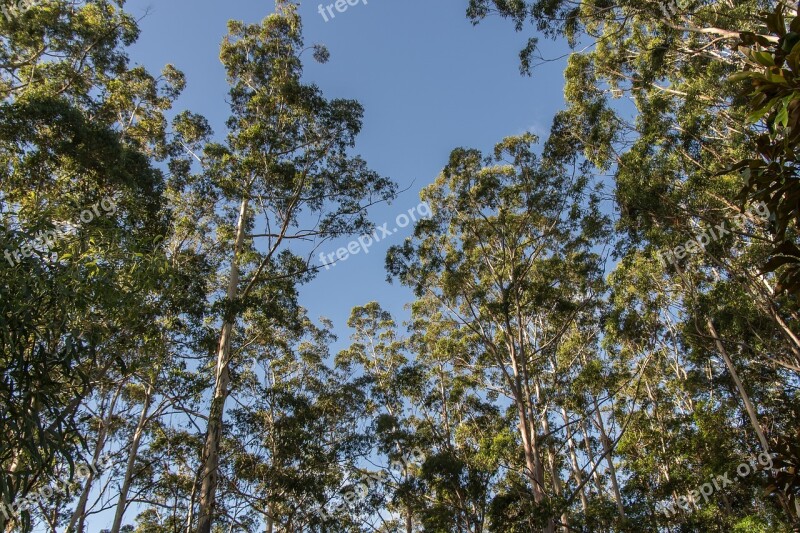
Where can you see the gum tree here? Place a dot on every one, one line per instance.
(387, 379)
(78, 125)
(713, 321)
(285, 168)
(508, 256)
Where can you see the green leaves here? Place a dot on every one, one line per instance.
(774, 75)
(785, 482)
(83, 127)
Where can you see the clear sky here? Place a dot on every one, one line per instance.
(429, 82)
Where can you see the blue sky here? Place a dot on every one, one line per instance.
(429, 80)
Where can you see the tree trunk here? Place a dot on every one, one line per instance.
(190, 510)
(612, 471)
(533, 462)
(79, 515)
(748, 405)
(531, 459)
(210, 457)
(590, 456)
(555, 476)
(133, 451)
(576, 468)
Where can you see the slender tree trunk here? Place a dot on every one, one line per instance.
(210, 457)
(612, 471)
(533, 462)
(576, 468)
(590, 456)
(76, 523)
(445, 414)
(529, 449)
(190, 510)
(133, 452)
(555, 476)
(79, 515)
(748, 405)
(538, 466)
(528, 431)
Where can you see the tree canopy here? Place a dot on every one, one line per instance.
(602, 330)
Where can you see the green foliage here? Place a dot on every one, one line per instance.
(773, 70)
(785, 482)
(62, 150)
(539, 387)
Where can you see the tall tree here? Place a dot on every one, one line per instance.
(286, 166)
(80, 132)
(712, 292)
(508, 256)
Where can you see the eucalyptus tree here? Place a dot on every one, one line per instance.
(510, 256)
(467, 439)
(672, 158)
(442, 442)
(286, 165)
(295, 431)
(388, 378)
(81, 130)
(717, 331)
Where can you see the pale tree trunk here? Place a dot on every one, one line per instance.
(551, 525)
(210, 457)
(76, 523)
(528, 411)
(748, 405)
(133, 452)
(533, 460)
(445, 414)
(190, 509)
(555, 476)
(269, 521)
(6, 522)
(527, 429)
(409, 517)
(590, 457)
(576, 468)
(608, 452)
